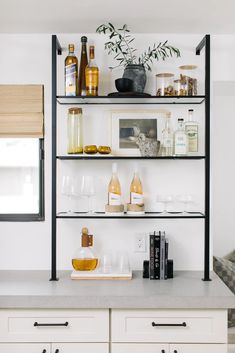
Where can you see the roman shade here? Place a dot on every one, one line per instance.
(21, 111)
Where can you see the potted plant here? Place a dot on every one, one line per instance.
(120, 44)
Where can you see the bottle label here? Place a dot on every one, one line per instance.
(70, 79)
(180, 145)
(192, 132)
(114, 199)
(137, 199)
(92, 81)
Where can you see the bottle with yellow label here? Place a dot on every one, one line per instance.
(92, 74)
(71, 73)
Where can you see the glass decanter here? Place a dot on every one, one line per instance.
(85, 259)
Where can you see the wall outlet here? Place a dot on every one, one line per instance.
(140, 243)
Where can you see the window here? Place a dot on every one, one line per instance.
(21, 179)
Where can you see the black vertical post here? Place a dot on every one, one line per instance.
(56, 48)
(206, 43)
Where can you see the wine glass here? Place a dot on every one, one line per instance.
(68, 189)
(88, 190)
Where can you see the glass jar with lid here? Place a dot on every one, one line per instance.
(165, 84)
(180, 88)
(74, 131)
(188, 77)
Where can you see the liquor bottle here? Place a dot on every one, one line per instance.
(136, 190)
(71, 73)
(167, 137)
(85, 259)
(92, 74)
(82, 69)
(114, 188)
(191, 128)
(181, 139)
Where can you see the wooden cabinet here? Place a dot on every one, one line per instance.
(79, 348)
(188, 326)
(198, 348)
(25, 348)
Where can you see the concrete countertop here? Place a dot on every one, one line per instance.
(32, 289)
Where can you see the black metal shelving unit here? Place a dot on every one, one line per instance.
(106, 100)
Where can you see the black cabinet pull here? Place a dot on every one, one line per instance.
(163, 350)
(44, 351)
(168, 325)
(57, 351)
(175, 351)
(36, 324)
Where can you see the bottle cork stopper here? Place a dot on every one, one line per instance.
(87, 239)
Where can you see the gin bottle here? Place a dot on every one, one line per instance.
(181, 139)
(191, 128)
(167, 137)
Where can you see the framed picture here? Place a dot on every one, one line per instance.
(128, 126)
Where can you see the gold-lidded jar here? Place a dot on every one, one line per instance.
(74, 131)
(188, 77)
(165, 84)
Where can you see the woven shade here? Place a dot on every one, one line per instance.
(21, 111)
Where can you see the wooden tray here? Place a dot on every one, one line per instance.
(96, 275)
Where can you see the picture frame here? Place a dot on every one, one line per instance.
(127, 125)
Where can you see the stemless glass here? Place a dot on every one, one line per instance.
(68, 189)
(88, 190)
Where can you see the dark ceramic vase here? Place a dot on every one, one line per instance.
(136, 73)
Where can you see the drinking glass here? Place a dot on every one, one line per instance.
(165, 201)
(186, 200)
(68, 189)
(88, 190)
(106, 263)
(123, 265)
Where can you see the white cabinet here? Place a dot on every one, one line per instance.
(198, 348)
(80, 348)
(187, 326)
(139, 348)
(24, 348)
(54, 325)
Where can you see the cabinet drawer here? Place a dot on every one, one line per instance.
(139, 348)
(80, 348)
(197, 326)
(54, 325)
(198, 348)
(24, 348)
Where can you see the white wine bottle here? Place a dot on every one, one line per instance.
(114, 189)
(136, 190)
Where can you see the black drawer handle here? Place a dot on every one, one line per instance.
(57, 351)
(163, 350)
(36, 324)
(169, 325)
(44, 351)
(175, 351)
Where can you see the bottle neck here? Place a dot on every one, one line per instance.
(190, 115)
(180, 125)
(83, 48)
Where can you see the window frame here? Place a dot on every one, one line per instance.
(31, 217)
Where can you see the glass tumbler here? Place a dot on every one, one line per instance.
(74, 131)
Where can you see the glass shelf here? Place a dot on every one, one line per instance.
(82, 215)
(131, 100)
(105, 157)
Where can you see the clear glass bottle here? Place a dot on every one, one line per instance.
(180, 139)
(191, 128)
(82, 69)
(71, 73)
(136, 189)
(167, 137)
(85, 259)
(74, 131)
(92, 74)
(114, 188)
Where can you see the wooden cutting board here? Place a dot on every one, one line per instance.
(96, 275)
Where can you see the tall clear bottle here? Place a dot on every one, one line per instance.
(92, 74)
(114, 188)
(74, 131)
(180, 139)
(191, 128)
(167, 137)
(71, 73)
(136, 189)
(82, 69)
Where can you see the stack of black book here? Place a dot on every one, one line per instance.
(158, 255)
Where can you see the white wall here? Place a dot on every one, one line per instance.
(27, 59)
